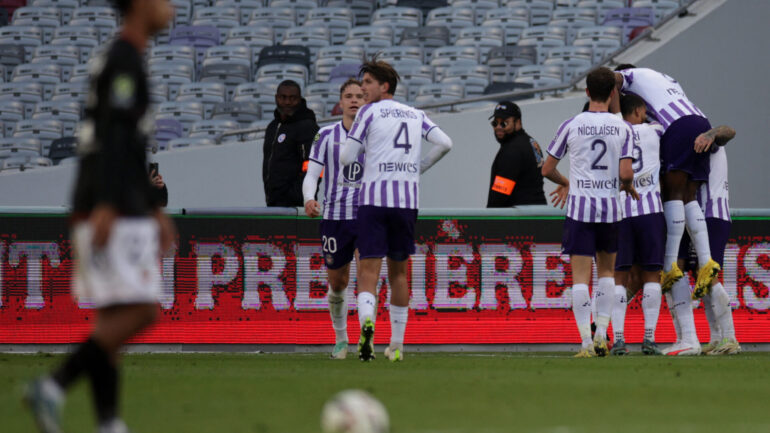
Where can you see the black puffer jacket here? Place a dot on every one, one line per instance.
(285, 153)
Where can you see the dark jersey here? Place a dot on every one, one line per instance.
(113, 136)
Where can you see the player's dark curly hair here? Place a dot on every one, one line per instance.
(629, 103)
(600, 83)
(624, 66)
(382, 71)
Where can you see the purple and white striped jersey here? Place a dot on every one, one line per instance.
(646, 165)
(341, 184)
(391, 134)
(595, 142)
(666, 101)
(713, 196)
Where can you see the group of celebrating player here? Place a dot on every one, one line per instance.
(633, 189)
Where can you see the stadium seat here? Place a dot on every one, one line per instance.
(255, 38)
(573, 19)
(474, 78)
(229, 74)
(403, 55)
(402, 92)
(185, 113)
(312, 37)
(601, 47)
(165, 131)
(104, 19)
(397, 18)
(66, 57)
(283, 71)
(279, 19)
(5, 17)
(80, 73)
(295, 54)
(661, 8)
(629, 19)
(65, 7)
(174, 74)
(28, 93)
(302, 7)
(63, 148)
(601, 7)
(414, 76)
(371, 38)
(513, 21)
(480, 7)
(173, 53)
(73, 91)
(243, 112)
(37, 162)
(439, 92)
(428, 37)
(339, 21)
(11, 112)
(46, 131)
(329, 93)
(222, 18)
(212, 129)
(198, 37)
(14, 163)
(317, 105)
(11, 55)
(48, 75)
(182, 143)
(483, 37)
(158, 91)
(332, 56)
(20, 146)
(539, 75)
(263, 95)
(343, 72)
(24, 36)
(425, 6)
(601, 33)
(47, 19)
(445, 57)
(207, 93)
(362, 9)
(453, 18)
(543, 38)
(503, 62)
(66, 112)
(539, 10)
(182, 12)
(506, 87)
(245, 7)
(85, 38)
(228, 55)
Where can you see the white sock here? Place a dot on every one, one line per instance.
(398, 317)
(651, 307)
(673, 211)
(594, 316)
(674, 319)
(581, 308)
(714, 333)
(605, 299)
(683, 306)
(338, 310)
(696, 227)
(723, 312)
(619, 312)
(366, 303)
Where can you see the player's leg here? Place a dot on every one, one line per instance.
(682, 300)
(338, 309)
(715, 334)
(579, 241)
(620, 303)
(401, 223)
(651, 300)
(674, 189)
(719, 232)
(708, 269)
(372, 246)
(605, 294)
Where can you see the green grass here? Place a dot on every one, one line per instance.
(442, 392)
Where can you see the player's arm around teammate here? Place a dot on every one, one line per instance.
(338, 227)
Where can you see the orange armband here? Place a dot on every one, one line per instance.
(503, 185)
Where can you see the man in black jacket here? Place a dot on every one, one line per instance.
(516, 178)
(287, 147)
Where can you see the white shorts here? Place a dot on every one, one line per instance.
(125, 271)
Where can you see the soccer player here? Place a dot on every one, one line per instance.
(389, 134)
(642, 231)
(684, 168)
(118, 227)
(713, 197)
(599, 145)
(338, 227)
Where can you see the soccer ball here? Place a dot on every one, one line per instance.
(354, 411)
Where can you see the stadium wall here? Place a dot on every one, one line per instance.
(260, 279)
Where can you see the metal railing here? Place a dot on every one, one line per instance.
(518, 94)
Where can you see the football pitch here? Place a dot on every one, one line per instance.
(428, 392)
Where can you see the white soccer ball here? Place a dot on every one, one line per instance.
(354, 411)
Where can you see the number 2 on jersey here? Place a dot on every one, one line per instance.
(595, 165)
(402, 138)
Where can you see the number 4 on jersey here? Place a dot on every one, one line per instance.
(402, 138)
